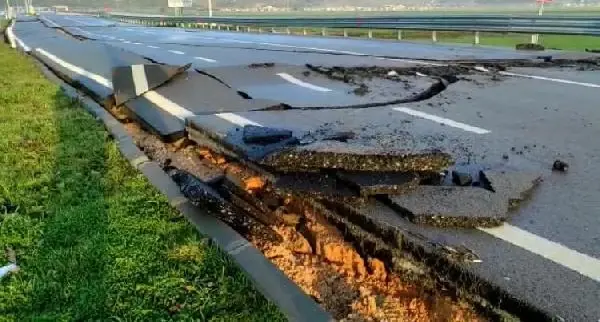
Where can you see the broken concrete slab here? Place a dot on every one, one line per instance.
(264, 135)
(370, 183)
(354, 157)
(513, 187)
(445, 206)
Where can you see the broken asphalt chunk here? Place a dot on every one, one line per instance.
(354, 157)
(264, 135)
(510, 186)
(317, 185)
(559, 165)
(370, 183)
(445, 206)
(134, 80)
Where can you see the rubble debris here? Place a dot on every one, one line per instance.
(306, 73)
(546, 59)
(511, 186)
(505, 156)
(341, 136)
(445, 206)
(529, 46)
(254, 183)
(559, 165)
(370, 183)
(354, 157)
(461, 179)
(261, 65)
(595, 51)
(253, 134)
(207, 198)
(392, 73)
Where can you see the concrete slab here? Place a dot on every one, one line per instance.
(514, 186)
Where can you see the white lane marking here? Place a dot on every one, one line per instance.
(298, 82)
(557, 80)
(574, 260)
(128, 29)
(111, 37)
(136, 43)
(150, 46)
(159, 100)
(177, 52)
(239, 41)
(205, 59)
(168, 105)
(442, 120)
(121, 39)
(140, 82)
(126, 42)
(76, 69)
(236, 119)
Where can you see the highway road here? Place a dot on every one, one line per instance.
(546, 255)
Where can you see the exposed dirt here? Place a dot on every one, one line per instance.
(308, 249)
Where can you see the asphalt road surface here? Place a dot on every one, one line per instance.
(547, 254)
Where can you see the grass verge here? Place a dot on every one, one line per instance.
(93, 239)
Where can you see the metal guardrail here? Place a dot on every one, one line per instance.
(565, 25)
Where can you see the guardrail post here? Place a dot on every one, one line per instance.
(287, 30)
(477, 38)
(370, 33)
(272, 30)
(399, 34)
(304, 31)
(345, 32)
(535, 38)
(434, 36)
(237, 28)
(323, 31)
(259, 30)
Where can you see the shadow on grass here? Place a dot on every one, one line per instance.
(96, 242)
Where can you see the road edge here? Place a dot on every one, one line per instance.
(266, 277)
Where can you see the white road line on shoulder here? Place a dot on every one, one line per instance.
(140, 81)
(159, 100)
(236, 119)
(168, 105)
(76, 69)
(208, 60)
(442, 120)
(177, 52)
(298, 82)
(583, 264)
(150, 46)
(556, 80)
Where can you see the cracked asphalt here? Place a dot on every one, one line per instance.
(547, 255)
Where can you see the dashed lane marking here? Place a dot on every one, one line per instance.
(298, 82)
(442, 120)
(208, 60)
(236, 119)
(177, 52)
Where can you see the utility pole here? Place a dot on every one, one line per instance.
(210, 13)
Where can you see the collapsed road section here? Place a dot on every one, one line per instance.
(372, 211)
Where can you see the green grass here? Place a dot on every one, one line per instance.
(94, 240)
